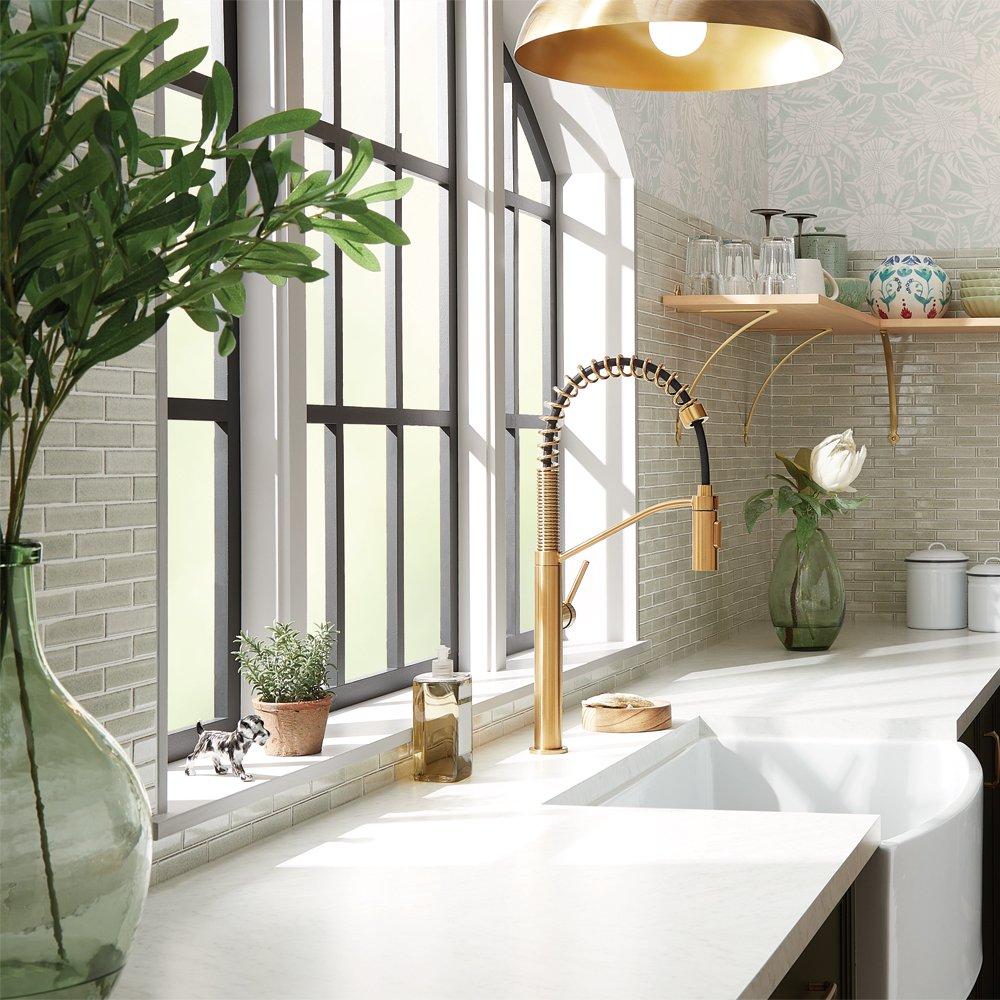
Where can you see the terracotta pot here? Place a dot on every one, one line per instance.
(296, 727)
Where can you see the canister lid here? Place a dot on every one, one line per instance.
(991, 567)
(821, 231)
(937, 552)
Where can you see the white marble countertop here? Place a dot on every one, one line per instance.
(483, 889)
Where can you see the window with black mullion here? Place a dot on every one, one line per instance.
(203, 474)
(530, 220)
(382, 434)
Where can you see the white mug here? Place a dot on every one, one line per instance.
(814, 280)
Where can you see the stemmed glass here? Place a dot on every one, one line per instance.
(701, 267)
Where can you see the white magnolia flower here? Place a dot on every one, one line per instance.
(836, 461)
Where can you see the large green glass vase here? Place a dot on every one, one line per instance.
(75, 846)
(806, 593)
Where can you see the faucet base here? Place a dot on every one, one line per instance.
(556, 750)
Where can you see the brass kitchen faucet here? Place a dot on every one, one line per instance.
(552, 614)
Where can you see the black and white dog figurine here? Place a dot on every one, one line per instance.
(231, 747)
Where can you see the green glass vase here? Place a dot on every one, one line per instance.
(806, 593)
(75, 846)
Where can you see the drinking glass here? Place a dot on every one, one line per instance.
(738, 274)
(777, 266)
(702, 268)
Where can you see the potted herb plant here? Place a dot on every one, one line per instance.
(288, 677)
(105, 230)
(806, 593)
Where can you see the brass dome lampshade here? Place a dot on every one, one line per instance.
(678, 44)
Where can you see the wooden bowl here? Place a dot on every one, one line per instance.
(597, 719)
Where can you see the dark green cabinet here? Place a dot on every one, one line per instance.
(981, 738)
(825, 969)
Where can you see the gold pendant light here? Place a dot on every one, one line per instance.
(678, 44)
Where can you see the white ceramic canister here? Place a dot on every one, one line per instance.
(984, 596)
(936, 588)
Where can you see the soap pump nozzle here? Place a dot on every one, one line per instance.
(441, 665)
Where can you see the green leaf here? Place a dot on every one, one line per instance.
(89, 174)
(380, 226)
(806, 522)
(386, 191)
(176, 213)
(223, 86)
(169, 71)
(94, 68)
(137, 282)
(292, 120)
(361, 160)
(232, 298)
(203, 316)
(353, 231)
(796, 472)
(266, 179)
(208, 111)
(227, 341)
(756, 506)
(360, 254)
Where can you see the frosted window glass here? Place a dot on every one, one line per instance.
(425, 294)
(423, 78)
(367, 71)
(422, 542)
(527, 448)
(366, 294)
(199, 22)
(320, 298)
(194, 368)
(317, 58)
(365, 550)
(529, 180)
(196, 540)
(320, 567)
(532, 286)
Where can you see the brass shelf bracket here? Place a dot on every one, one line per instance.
(890, 378)
(736, 334)
(760, 392)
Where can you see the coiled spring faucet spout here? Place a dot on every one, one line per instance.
(552, 614)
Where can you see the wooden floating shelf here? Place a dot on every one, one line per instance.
(805, 313)
(813, 316)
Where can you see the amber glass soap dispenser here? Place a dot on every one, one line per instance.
(442, 722)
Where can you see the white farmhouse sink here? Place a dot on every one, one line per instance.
(917, 902)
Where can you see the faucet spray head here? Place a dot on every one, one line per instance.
(706, 530)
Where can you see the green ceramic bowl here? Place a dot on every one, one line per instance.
(981, 287)
(965, 276)
(854, 292)
(986, 306)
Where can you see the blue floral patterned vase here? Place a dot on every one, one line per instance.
(907, 286)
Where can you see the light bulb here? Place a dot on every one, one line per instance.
(678, 38)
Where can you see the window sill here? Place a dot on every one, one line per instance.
(353, 735)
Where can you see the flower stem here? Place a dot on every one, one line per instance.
(9, 625)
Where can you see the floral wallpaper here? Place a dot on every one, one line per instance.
(899, 147)
(703, 153)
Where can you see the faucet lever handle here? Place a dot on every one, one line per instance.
(568, 611)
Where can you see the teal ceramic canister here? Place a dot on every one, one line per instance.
(830, 249)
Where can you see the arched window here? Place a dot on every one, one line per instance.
(531, 218)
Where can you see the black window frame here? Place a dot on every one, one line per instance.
(225, 414)
(394, 417)
(516, 204)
